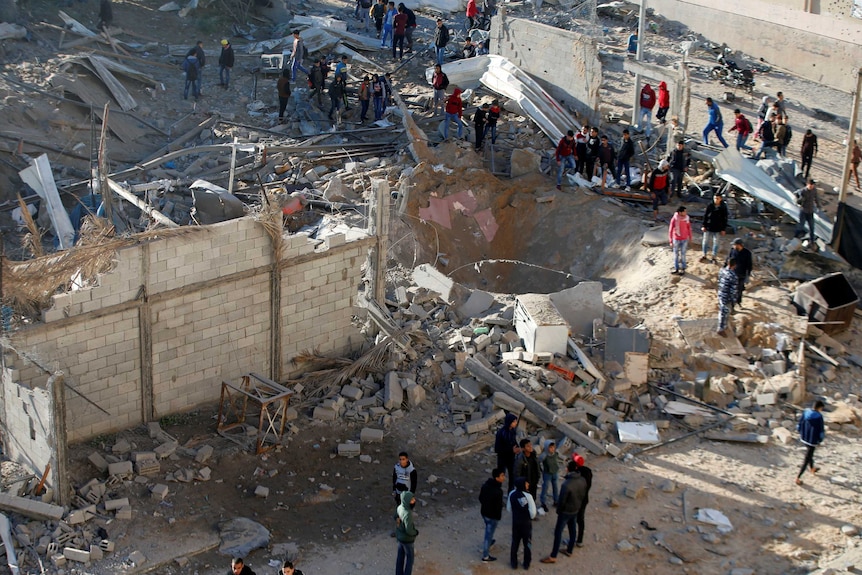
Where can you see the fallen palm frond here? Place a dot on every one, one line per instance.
(29, 285)
(272, 220)
(33, 239)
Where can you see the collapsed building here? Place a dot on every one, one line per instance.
(278, 289)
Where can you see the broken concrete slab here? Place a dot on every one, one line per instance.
(478, 302)
(424, 275)
(620, 340)
(580, 305)
(241, 536)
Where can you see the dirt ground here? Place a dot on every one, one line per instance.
(338, 511)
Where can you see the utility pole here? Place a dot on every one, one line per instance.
(639, 57)
(848, 153)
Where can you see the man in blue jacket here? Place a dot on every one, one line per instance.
(716, 124)
(811, 432)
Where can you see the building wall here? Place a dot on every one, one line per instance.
(565, 63)
(27, 425)
(177, 316)
(825, 48)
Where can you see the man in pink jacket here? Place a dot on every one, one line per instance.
(679, 234)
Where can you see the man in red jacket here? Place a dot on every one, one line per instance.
(663, 101)
(647, 102)
(565, 155)
(472, 12)
(454, 111)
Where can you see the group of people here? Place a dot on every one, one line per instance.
(193, 66)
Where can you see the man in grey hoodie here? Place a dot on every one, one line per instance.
(571, 496)
(405, 534)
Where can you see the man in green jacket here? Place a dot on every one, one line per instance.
(405, 534)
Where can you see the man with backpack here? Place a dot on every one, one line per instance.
(378, 12)
(191, 67)
(743, 128)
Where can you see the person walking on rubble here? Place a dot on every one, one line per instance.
(807, 201)
(506, 446)
(315, 81)
(607, 159)
(593, 143)
(364, 97)
(225, 64)
(647, 103)
(378, 12)
(411, 26)
(812, 431)
(716, 124)
(679, 234)
(658, 186)
(491, 500)
(663, 102)
(581, 148)
(454, 112)
(336, 98)
(399, 24)
(527, 466)
(714, 225)
(191, 67)
(479, 118)
(283, 88)
(297, 55)
(491, 120)
(744, 265)
(549, 462)
(405, 534)
(378, 92)
(404, 477)
(106, 15)
(522, 506)
(572, 495)
(855, 159)
(389, 24)
(565, 155)
(678, 160)
(439, 81)
(743, 129)
(624, 158)
(808, 151)
(726, 295)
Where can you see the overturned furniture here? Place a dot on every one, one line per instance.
(829, 302)
(236, 402)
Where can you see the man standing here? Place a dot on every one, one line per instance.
(506, 446)
(297, 55)
(191, 67)
(364, 97)
(780, 130)
(581, 149)
(679, 234)
(238, 567)
(527, 466)
(607, 159)
(287, 568)
(726, 295)
(439, 81)
(714, 225)
(377, 92)
(658, 186)
(855, 159)
(378, 12)
(479, 118)
(472, 13)
(647, 103)
(678, 160)
(565, 154)
(811, 432)
(336, 98)
(491, 499)
(744, 264)
(587, 474)
(315, 78)
(202, 61)
(225, 63)
(283, 87)
(491, 120)
(550, 464)
(807, 201)
(624, 158)
(715, 124)
(341, 70)
(663, 102)
(523, 509)
(388, 23)
(405, 534)
(454, 112)
(571, 497)
(767, 138)
(404, 477)
(593, 143)
(441, 38)
(808, 151)
(742, 127)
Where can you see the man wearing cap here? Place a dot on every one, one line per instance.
(225, 63)
(807, 201)
(658, 186)
(587, 474)
(744, 264)
(714, 225)
(296, 56)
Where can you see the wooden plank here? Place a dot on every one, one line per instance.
(142, 205)
(118, 91)
(737, 437)
(825, 356)
(95, 95)
(588, 365)
(540, 411)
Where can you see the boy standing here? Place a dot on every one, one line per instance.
(726, 294)
(523, 509)
(405, 534)
(404, 477)
(550, 464)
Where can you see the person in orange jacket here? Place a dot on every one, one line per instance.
(663, 101)
(454, 111)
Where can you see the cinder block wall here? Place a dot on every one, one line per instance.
(177, 316)
(544, 51)
(27, 419)
(825, 48)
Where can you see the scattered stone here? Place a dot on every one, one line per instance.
(850, 530)
(204, 453)
(98, 462)
(625, 546)
(370, 435)
(667, 486)
(635, 492)
(261, 491)
(241, 536)
(364, 458)
(137, 558)
(159, 491)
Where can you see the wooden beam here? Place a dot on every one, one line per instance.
(544, 414)
(144, 207)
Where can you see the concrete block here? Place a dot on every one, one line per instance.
(98, 461)
(124, 513)
(324, 414)
(482, 341)
(782, 435)
(121, 447)
(370, 435)
(114, 504)
(166, 449)
(290, 414)
(143, 455)
(204, 474)
(96, 553)
(78, 555)
(635, 492)
(393, 394)
(507, 403)
(58, 559)
(159, 491)
(121, 469)
(478, 302)
(765, 399)
(415, 394)
(106, 545)
(261, 491)
(76, 517)
(137, 558)
(613, 450)
(203, 453)
(469, 388)
(349, 449)
(565, 391)
(350, 392)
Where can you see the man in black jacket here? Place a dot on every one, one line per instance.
(624, 156)
(593, 143)
(491, 498)
(744, 264)
(587, 474)
(225, 64)
(527, 466)
(572, 494)
(202, 61)
(714, 225)
(522, 506)
(479, 119)
(506, 446)
(678, 160)
(238, 567)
